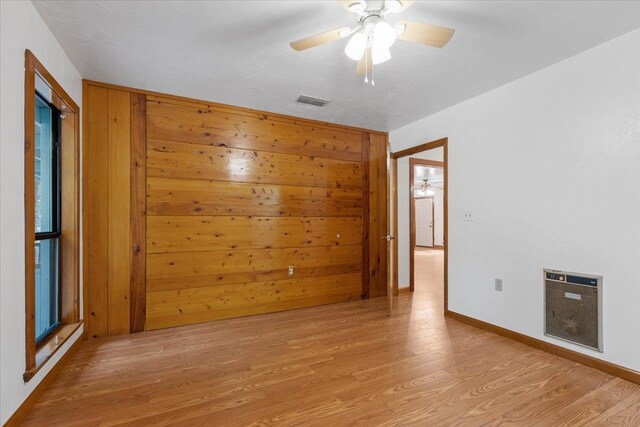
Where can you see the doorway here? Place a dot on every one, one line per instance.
(419, 219)
(426, 181)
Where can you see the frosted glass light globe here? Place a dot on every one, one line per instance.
(380, 54)
(356, 46)
(383, 34)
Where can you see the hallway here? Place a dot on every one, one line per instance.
(429, 277)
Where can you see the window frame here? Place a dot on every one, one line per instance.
(66, 227)
(55, 233)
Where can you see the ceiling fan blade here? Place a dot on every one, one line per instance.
(318, 39)
(353, 5)
(431, 35)
(400, 5)
(365, 63)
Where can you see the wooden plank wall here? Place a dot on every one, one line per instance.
(235, 198)
(106, 210)
(198, 214)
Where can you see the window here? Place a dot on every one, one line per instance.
(52, 206)
(47, 216)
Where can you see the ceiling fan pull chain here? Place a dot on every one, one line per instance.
(366, 66)
(373, 82)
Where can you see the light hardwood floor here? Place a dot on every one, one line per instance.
(336, 365)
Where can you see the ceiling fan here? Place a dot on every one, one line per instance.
(372, 37)
(427, 186)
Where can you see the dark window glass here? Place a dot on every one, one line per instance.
(47, 218)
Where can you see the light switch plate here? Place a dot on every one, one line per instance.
(290, 270)
(467, 216)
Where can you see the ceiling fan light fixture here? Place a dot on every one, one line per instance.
(358, 6)
(394, 5)
(356, 46)
(384, 34)
(372, 37)
(380, 54)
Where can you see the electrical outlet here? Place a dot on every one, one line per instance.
(499, 285)
(467, 216)
(290, 270)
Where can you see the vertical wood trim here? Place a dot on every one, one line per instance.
(70, 224)
(412, 227)
(29, 209)
(83, 201)
(394, 198)
(119, 235)
(95, 209)
(445, 223)
(78, 219)
(389, 226)
(138, 211)
(366, 249)
(383, 212)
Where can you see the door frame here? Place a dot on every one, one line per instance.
(443, 142)
(413, 162)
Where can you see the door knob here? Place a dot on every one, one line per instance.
(388, 238)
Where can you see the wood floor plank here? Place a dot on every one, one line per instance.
(340, 364)
(624, 413)
(585, 410)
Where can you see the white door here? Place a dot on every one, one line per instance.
(424, 222)
(438, 220)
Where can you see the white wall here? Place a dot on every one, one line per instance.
(402, 238)
(549, 165)
(21, 28)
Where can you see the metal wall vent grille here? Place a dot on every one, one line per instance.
(303, 99)
(573, 305)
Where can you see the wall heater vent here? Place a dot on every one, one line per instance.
(304, 99)
(573, 308)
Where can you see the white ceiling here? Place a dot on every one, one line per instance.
(237, 52)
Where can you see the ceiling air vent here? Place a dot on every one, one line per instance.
(303, 99)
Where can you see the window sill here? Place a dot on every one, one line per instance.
(49, 347)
